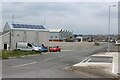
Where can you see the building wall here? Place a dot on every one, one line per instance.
(0, 42)
(36, 37)
(64, 34)
(53, 35)
(5, 40)
(44, 38)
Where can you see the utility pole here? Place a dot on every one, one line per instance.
(13, 18)
(109, 28)
(44, 21)
(11, 33)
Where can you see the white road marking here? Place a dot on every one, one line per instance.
(82, 61)
(24, 64)
(88, 60)
(48, 59)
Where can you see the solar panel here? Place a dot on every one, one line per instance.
(37, 26)
(19, 25)
(25, 26)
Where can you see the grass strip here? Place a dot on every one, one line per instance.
(6, 54)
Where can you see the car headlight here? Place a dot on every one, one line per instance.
(36, 49)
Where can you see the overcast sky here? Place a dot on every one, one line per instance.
(79, 17)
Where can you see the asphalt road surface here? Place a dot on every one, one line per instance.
(49, 65)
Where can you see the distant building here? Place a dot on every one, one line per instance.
(78, 38)
(59, 34)
(101, 38)
(16, 32)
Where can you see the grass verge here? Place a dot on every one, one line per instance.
(0, 53)
(7, 54)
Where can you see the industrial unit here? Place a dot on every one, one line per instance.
(17, 32)
(59, 34)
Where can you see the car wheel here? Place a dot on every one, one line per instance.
(18, 50)
(40, 51)
(33, 50)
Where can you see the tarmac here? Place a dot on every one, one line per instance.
(100, 69)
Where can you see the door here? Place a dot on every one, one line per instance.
(29, 47)
(5, 46)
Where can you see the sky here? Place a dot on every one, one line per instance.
(79, 17)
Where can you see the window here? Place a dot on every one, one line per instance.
(29, 45)
(51, 36)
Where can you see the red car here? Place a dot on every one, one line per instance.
(54, 49)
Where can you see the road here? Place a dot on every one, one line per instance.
(49, 65)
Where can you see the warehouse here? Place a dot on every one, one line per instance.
(59, 34)
(17, 32)
(0, 42)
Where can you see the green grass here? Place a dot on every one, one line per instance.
(0, 53)
(6, 54)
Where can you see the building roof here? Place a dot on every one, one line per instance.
(79, 37)
(55, 30)
(21, 26)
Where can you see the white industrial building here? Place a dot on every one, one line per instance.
(0, 42)
(16, 32)
(59, 34)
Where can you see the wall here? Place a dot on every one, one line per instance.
(53, 34)
(6, 40)
(32, 36)
(60, 35)
(0, 42)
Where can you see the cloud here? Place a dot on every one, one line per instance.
(80, 17)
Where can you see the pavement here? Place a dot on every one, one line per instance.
(95, 66)
(50, 65)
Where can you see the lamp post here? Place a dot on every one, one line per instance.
(109, 28)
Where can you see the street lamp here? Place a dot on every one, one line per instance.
(109, 28)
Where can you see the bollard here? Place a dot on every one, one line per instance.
(116, 63)
(119, 63)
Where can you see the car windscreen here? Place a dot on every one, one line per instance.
(30, 45)
(35, 45)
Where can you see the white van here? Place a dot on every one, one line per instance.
(26, 46)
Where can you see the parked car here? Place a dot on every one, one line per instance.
(25, 46)
(117, 42)
(43, 48)
(55, 49)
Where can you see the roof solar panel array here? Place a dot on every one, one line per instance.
(26, 26)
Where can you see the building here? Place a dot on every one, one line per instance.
(101, 38)
(59, 34)
(16, 32)
(0, 41)
(78, 38)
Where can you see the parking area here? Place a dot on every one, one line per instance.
(73, 45)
